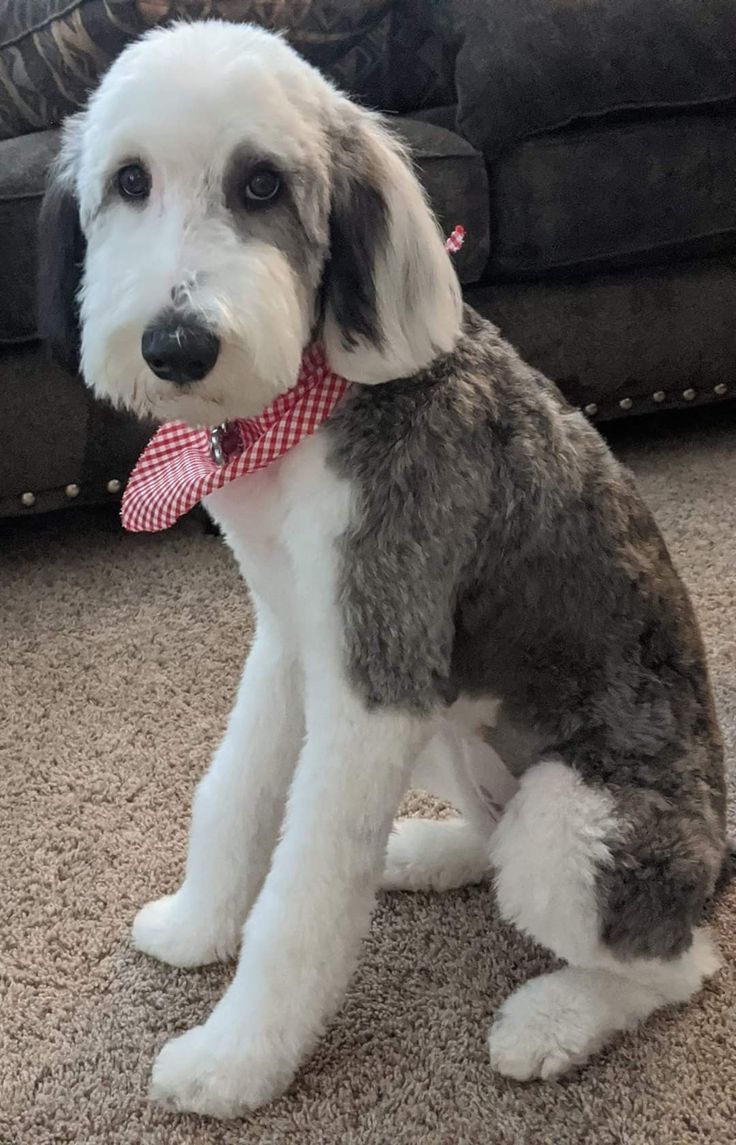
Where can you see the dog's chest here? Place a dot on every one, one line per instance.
(282, 524)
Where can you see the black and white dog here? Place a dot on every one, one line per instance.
(452, 571)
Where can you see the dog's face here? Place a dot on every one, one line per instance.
(225, 206)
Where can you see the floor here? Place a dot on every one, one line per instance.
(120, 656)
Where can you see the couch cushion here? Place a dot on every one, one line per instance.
(451, 170)
(617, 195)
(52, 52)
(626, 343)
(526, 66)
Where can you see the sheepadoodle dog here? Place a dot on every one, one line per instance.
(457, 586)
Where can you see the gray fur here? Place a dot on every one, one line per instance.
(331, 233)
(329, 229)
(292, 225)
(358, 231)
(500, 550)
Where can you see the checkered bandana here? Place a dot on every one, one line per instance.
(181, 465)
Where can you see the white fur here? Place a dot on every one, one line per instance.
(237, 810)
(350, 774)
(546, 851)
(217, 88)
(555, 1022)
(183, 238)
(434, 855)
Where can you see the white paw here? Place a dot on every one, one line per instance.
(433, 855)
(217, 1076)
(173, 931)
(544, 1029)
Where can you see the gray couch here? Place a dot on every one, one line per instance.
(587, 146)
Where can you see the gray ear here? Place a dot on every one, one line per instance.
(61, 251)
(392, 300)
(358, 230)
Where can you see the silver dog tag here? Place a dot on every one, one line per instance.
(216, 450)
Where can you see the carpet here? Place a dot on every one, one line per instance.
(120, 657)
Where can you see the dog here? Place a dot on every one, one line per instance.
(453, 578)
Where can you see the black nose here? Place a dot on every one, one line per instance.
(180, 349)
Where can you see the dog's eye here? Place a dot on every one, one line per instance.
(133, 181)
(263, 186)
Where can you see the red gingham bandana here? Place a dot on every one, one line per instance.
(180, 465)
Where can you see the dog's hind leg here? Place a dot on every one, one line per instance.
(615, 895)
(442, 854)
(434, 855)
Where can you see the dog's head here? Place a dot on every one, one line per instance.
(217, 206)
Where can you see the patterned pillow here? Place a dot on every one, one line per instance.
(52, 52)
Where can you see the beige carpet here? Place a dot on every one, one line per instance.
(119, 657)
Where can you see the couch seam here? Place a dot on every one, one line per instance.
(671, 244)
(21, 197)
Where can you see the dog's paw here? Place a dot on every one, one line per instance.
(173, 931)
(202, 1072)
(433, 855)
(544, 1030)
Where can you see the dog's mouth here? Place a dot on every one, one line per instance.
(236, 387)
(151, 399)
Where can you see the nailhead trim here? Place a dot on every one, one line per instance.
(659, 396)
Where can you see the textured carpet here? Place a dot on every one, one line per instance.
(120, 656)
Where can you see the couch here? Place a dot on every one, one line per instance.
(587, 146)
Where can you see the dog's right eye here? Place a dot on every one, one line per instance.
(133, 181)
(263, 186)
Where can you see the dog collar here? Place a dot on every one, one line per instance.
(180, 465)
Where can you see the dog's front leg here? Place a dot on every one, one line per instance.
(302, 937)
(237, 811)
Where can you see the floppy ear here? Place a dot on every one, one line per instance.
(392, 300)
(61, 250)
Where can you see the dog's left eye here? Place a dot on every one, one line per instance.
(263, 186)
